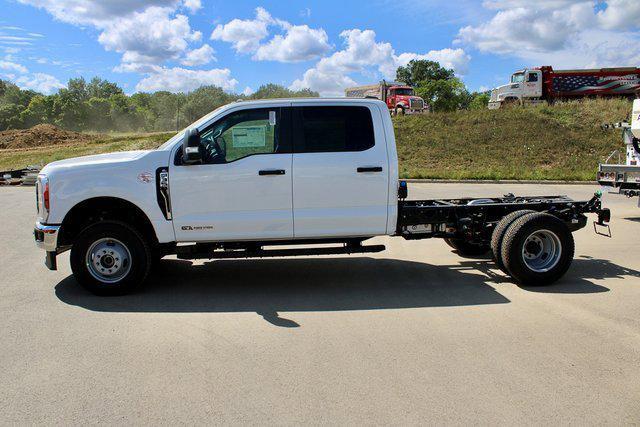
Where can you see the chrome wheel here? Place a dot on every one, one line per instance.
(541, 251)
(108, 260)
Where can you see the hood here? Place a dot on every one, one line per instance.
(106, 160)
(501, 91)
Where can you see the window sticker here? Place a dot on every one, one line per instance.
(249, 136)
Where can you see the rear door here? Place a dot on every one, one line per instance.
(340, 171)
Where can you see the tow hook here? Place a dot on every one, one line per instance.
(604, 216)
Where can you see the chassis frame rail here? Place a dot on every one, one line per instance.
(474, 219)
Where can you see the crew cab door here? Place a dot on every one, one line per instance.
(242, 189)
(340, 171)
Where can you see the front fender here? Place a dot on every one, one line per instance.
(133, 181)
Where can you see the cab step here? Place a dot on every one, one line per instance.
(185, 252)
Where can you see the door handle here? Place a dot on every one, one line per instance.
(271, 172)
(370, 169)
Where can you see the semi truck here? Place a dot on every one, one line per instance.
(399, 97)
(625, 178)
(277, 178)
(544, 84)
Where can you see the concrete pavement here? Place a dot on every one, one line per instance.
(412, 335)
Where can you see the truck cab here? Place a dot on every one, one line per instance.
(525, 87)
(280, 171)
(401, 99)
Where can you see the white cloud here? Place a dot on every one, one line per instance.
(244, 35)
(543, 27)
(363, 54)
(300, 43)
(620, 15)
(146, 32)
(455, 59)
(247, 91)
(151, 36)
(193, 5)
(183, 80)
(39, 82)
(95, 12)
(200, 56)
(12, 66)
(562, 33)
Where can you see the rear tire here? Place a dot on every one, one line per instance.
(498, 235)
(537, 249)
(110, 258)
(465, 248)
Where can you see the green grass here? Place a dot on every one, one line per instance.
(556, 142)
(16, 159)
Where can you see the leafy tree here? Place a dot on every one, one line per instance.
(420, 70)
(444, 95)
(479, 100)
(41, 109)
(99, 88)
(10, 116)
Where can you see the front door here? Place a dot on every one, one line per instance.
(242, 190)
(340, 172)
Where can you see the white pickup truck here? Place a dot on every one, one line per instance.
(317, 175)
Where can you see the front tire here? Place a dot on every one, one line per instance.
(537, 249)
(110, 258)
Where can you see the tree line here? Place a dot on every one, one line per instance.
(101, 105)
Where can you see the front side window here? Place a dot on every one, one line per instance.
(241, 134)
(517, 78)
(332, 129)
(533, 77)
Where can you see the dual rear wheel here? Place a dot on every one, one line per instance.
(534, 248)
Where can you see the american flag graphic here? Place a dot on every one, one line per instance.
(596, 85)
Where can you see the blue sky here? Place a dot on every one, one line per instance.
(178, 45)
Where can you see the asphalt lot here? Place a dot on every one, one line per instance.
(413, 335)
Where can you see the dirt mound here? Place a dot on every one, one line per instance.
(38, 136)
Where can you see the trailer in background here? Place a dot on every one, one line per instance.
(544, 84)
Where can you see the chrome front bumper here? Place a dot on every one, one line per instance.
(46, 236)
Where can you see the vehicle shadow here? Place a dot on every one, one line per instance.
(269, 287)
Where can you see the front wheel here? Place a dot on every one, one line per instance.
(110, 258)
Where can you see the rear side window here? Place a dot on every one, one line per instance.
(332, 129)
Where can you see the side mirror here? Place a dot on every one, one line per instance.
(191, 148)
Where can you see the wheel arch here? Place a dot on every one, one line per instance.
(98, 209)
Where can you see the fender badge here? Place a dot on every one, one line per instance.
(145, 177)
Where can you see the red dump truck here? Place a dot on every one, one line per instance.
(399, 97)
(544, 84)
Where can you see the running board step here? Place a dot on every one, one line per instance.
(262, 253)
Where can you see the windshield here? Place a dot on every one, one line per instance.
(517, 78)
(406, 92)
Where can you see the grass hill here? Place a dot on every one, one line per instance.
(563, 141)
(554, 142)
